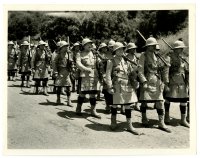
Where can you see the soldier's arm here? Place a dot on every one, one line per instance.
(141, 75)
(108, 79)
(165, 71)
(79, 64)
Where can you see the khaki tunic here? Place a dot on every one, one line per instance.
(89, 81)
(12, 60)
(41, 63)
(179, 80)
(117, 77)
(25, 61)
(155, 74)
(62, 67)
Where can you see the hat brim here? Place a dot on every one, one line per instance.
(87, 43)
(118, 48)
(180, 47)
(153, 44)
(63, 46)
(131, 48)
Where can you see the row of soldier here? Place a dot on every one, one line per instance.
(125, 77)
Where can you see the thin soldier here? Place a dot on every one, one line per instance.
(62, 70)
(178, 83)
(24, 63)
(12, 61)
(153, 77)
(40, 65)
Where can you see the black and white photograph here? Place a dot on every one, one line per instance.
(80, 78)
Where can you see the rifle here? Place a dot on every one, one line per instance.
(173, 49)
(158, 55)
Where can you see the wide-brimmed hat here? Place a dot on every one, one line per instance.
(131, 46)
(151, 41)
(63, 43)
(179, 44)
(111, 43)
(41, 43)
(102, 45)
(11, 43)
(117, 46)
(85, 41)
(25, 43)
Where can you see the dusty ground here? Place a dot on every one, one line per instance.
(35, 122)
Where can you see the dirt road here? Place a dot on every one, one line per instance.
(35, 122)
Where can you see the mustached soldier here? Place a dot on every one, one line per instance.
(118, 80)
(24, 63)
(89, 82)
(178, 83)
(153, 76)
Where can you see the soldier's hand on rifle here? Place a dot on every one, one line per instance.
(111, 91)
(145, 85)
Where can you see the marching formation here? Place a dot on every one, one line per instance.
(126, 78)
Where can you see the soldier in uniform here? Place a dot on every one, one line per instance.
(178, 83)
(40, 65)
(119, 76)
(75, 72)
(12, 61)
(89, 82)
(153, 75)
(131, 50)
(24, 63)
(105, 55)
(62, 70)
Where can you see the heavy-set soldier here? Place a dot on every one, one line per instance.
(62, 68)
(118, 76)
(86, 61)
(178, 83)
(40, 67)
(12, 61)
(24, 63)
(154, 76)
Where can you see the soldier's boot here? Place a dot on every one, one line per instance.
(107, 109)
(130, 127)
(113, 124)
(36, 89)
(69, 103)
(145, 121)
(28, 84)
(167, 116)
(23, 79)
(22, 84)
(161, 124)
(45, 91)
(122, 110)
(63, 91)
(58, 101)
(183, 121)
(93, 108)
(79, 105)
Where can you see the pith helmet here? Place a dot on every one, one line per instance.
(25, 43)
(41, 43)
(151, 41)
(118, 45)
(85, 41)
(179, 44)
(11, 43)
(63, 43)
(111, 43)
(131, 46)
(102, 45)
